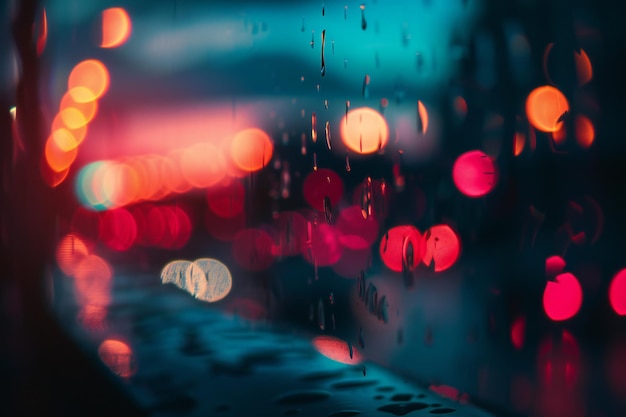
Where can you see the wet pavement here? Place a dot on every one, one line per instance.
(187, 358)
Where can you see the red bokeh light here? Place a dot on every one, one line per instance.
(118, 229)
(118, 357)
(474, 174)
(562, 299)
(585, 132)
(559, 359)
(554, 266)
(49, 175)
(351, 223)
(443, 247)
(71, 250)
(559, 366)
(518, 332)
(617, 293)
(325, 249)
(393, 242)
(322, 183)
(166, 226)
(151, 224)
(227, 200)
(93, 281)
(337, 350)
(380, 198)
(178, 227)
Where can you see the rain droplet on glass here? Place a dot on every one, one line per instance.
(366, 83)
(323, 69)
(328, 210)
(363, 21)
(327, 130)
(321, 319)
(314, 127)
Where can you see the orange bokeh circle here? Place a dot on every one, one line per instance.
(545, 107)
(364, 130)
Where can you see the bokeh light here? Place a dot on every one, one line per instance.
(228, 200)
(56, 157)
(519, 142)
(171, 172)
(251, 149)
(118, 229)
(422, 115)
(393, 243)
(355, 231)
(364, 130)
(64, 140)
(474, 174)
(443, 247)
(324, 248)
(175, 272)
(617, 293)
(545, 107)
(42, 37)
(321, 184)
(337, 350)
(118, 357)
(209, 280)
(584, 71)
(93, 76)
(518, 332)
(563, 297)
(51, 177)
(151, 224)
(72, 118)
(582, 65)
(584, 130)
(460, 107)
(78, 133)
(88, 188)
(178, 227)
(202, 165)
(87, 110)
(121, 184)
(92, 284)
(70, 252)
(554, 266)
(116, 27)
(164, 226)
